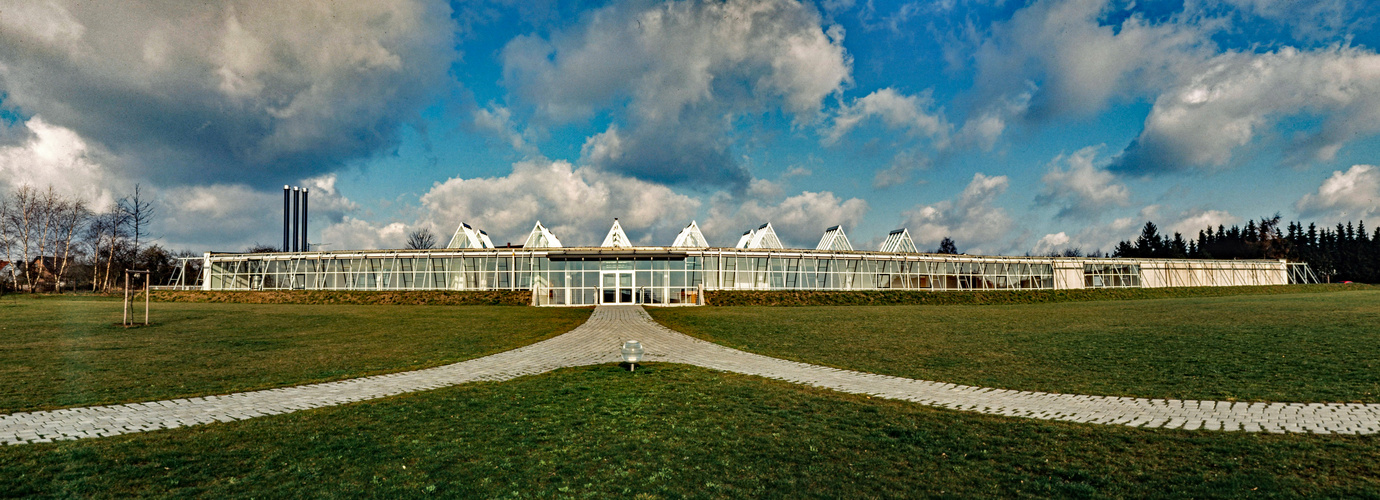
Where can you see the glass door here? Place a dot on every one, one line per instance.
(616, 287)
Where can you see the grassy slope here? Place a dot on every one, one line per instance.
(1321, 347)
(669, 431)
(71, 351)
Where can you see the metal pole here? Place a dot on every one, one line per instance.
(147, 281)
(286, 221)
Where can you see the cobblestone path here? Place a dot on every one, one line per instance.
(597, 342)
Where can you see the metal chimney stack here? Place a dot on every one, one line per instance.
(287, 222)
(296, 217)
(306, 246)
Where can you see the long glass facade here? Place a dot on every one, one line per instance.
(674, 276)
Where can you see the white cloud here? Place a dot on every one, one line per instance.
(898, 111)
(58, 157)
(218, 217)
(578, 204)
(1073, 63)
(497, 121)
(798, 220)
(242, 89)
(974, 222)
(352, 233)
(675, 55)
(1051, 243)
(1202, 120)
(1345, 195)
(1191, 221)
(673, 76)
(1082, 190)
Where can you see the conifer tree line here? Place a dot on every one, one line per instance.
(1343, 253)
(54, 242)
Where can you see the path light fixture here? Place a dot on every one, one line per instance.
(632, 353)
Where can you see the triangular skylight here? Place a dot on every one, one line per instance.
(690, 237)
(616, 238)
(540, 237)
(469, 237)
(834, 239)
(762, 237)
(899, 241)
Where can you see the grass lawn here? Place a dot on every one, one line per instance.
(1314, 347)
(61, 351)
(670, 431)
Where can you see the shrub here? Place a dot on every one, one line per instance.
(429, 297)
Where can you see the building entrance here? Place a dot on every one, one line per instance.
(617, 287)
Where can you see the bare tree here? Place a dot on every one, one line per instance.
(23, 216)
(74, 216)
(105, 234)
(6, 238)
(421, 239)
(139, 213)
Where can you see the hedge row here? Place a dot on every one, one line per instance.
(436, 298)
(914, 297)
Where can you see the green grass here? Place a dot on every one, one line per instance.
(671, 431)
(1316, 347)
(61, 351)
(987, 297)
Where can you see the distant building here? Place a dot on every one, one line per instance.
(620, 272)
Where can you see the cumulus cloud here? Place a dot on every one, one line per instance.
(1191, 221)
(58, 157)
(237, 91)
(913, 113)
(1071, 62)
(353, 233)
(680, 68)
(578, 204)
(497, 122)
(972, 220)
(1354, 193)
(1083, 189)
(1201, 121)
(798, 220)
(1052, 243)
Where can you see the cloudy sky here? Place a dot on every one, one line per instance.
(1010, 126)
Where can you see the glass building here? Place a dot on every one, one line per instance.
(619, 273)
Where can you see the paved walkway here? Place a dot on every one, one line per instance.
(597, 341)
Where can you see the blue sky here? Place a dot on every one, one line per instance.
(1011, 127)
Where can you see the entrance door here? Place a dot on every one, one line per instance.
(617, 287)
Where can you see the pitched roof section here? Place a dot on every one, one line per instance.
(834, 239)
(899, 241)
(690, 237)
(469, 237)
(540, 237)
(616, 238)
(762, 237)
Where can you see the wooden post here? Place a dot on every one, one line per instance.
(125, 321)
(148, 282)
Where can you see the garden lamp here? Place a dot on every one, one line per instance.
(632, 353)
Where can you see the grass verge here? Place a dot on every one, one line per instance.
(60, 351)
(671, 431)
(1313, 347)
(1006, 297)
